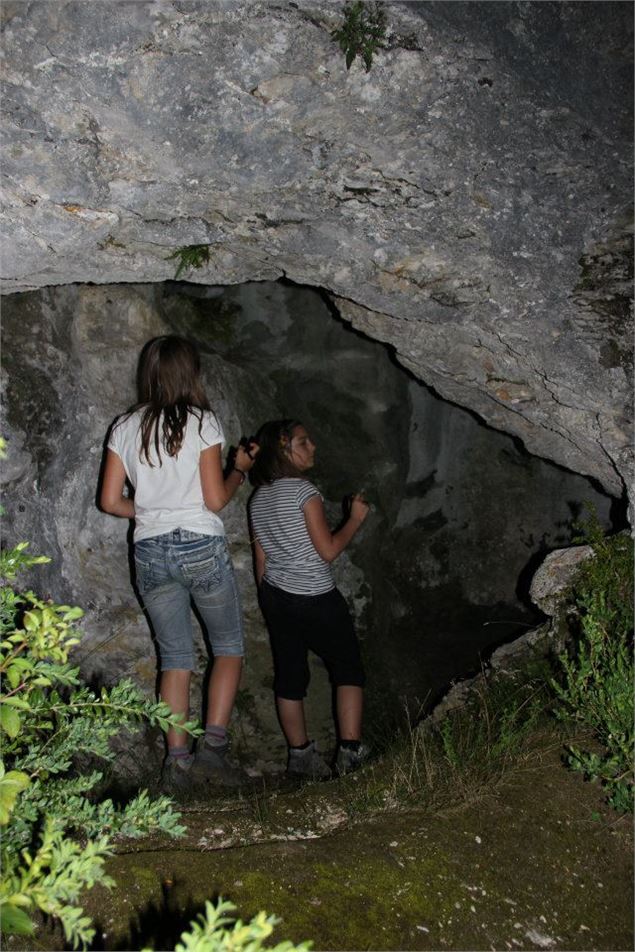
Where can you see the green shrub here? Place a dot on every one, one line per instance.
(595, 687)
(55, 838)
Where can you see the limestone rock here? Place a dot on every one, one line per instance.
(465, 201)
(555, 575)
(534, 643)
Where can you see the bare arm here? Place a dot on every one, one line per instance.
(218, 490)
(328, 545)
(112, 499)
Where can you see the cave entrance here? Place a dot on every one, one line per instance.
(436, 579)
(461, 512)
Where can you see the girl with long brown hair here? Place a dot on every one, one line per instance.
(169, 448)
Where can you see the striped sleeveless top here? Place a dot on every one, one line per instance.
(277, 521)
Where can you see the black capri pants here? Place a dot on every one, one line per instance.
(301, 623)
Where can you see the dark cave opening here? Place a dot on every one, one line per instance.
(462, 514)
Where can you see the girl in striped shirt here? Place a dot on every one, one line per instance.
(304, 611)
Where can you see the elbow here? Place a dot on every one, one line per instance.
(115, 507)
(215, 504)
(106, 504)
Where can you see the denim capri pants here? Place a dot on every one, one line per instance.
(175, 567)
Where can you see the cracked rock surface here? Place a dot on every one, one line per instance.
(466, 201)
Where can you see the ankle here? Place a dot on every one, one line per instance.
(350, 744)
(303, 746)
(215, 735)
(178, 752)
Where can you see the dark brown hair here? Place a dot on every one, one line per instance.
(169, 383)
(273, 461)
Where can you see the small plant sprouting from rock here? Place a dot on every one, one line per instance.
(362, 33)
(190, 256)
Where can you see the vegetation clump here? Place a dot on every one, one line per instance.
(595, 683)
(588, 687)
(55, 835)
(465, 754)
(217, 931)
(362, 32)
(190, 256)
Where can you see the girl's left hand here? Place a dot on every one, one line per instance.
(246, 457)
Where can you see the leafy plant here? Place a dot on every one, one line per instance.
(595, 688)
(190, 256)
(216, 931)
(362, 32)
(55, 837)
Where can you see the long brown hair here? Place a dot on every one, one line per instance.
(273, 461)
(169, 383)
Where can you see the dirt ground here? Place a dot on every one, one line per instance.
(539, 863)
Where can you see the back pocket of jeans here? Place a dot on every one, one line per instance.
(203, 573)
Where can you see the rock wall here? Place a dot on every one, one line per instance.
(435, 577)
(466, 201)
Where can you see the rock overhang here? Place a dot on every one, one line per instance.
(449, 200)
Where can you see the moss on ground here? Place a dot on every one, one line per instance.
(539, 863)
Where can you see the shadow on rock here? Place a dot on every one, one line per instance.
(158, 925)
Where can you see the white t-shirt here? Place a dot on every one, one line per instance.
(168, 496)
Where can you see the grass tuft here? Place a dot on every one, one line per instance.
(461, 758)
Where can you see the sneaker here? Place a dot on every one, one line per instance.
(308, 763)
(176, 774)
(348, 760)
(210, 763)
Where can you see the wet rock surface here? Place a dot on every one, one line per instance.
(465, 201)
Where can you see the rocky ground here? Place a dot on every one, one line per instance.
(539, 862)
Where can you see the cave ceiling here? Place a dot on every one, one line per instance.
(466, 200)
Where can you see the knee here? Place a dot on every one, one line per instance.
(291, 686)
(348, 674)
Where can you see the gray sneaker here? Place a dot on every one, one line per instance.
(348, 760)
(308, 763)
(176, 774)
(210, 763)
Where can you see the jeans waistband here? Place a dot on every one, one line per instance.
(176, 536)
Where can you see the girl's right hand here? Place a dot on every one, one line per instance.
(359, 508)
